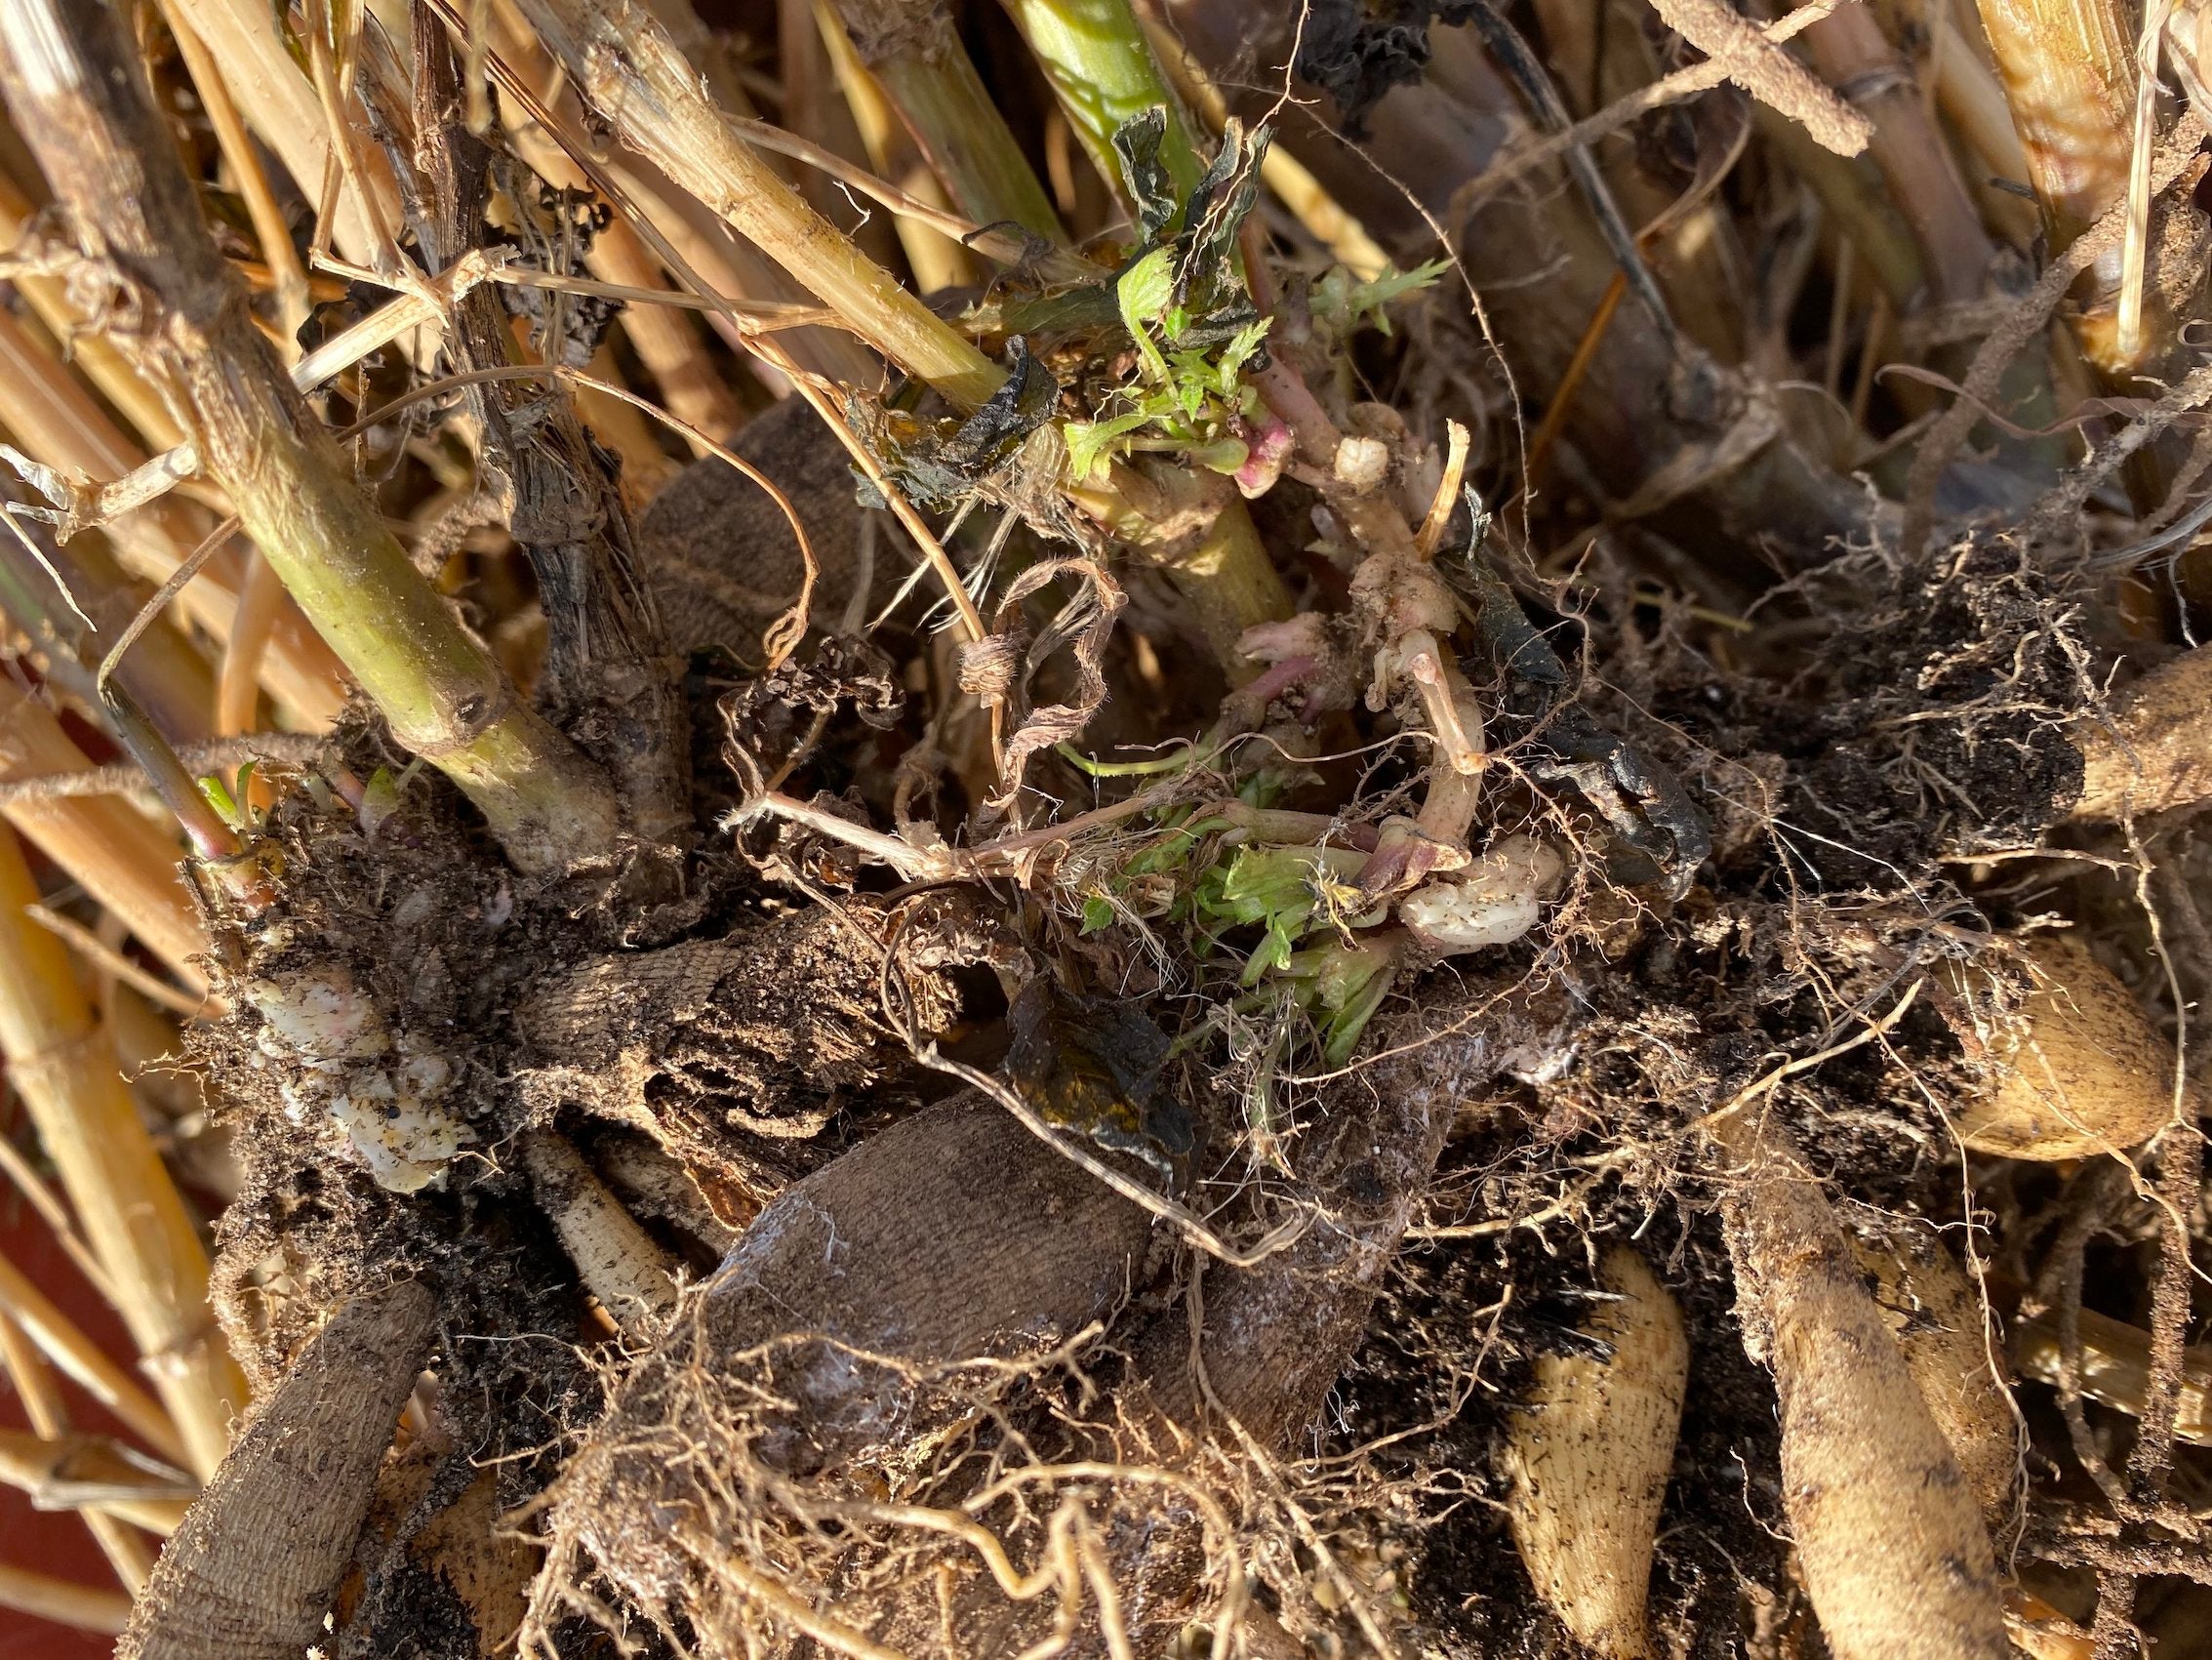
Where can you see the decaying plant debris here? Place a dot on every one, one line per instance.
(1375, 834)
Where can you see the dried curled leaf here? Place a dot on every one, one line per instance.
(999, 668)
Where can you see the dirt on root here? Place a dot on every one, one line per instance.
(758, 1048)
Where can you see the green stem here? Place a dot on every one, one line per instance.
(1199, 532)
(1103, 72)
(77, 90)
(967, 142)
(1230, 585)
(912, 46)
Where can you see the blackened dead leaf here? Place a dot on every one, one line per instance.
(1093, 1065)
(995, 455)
(1207, 282)
(1016, 410)
(1358, 50)
(1137, 141)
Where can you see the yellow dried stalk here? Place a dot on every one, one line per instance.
(2115, 1368)
(2041, 1631)
(915, 53)
(2067, 67)
(62, 1600)
(65, 1070)
(29, 1311)
(1915, 161)
(1972, 102)
(722, 266)
(107, 846)
(622, 429)
(238, 687)
(281, 106)
(40, 1391)
(92, 354)
(75, 1472)
(271, 230)
(937, 260)
(666, 343)
(632, 72)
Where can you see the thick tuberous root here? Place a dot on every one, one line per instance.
(1896, 1558)
(1590, 1457)
(253, 1568)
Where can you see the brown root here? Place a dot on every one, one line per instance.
(255, 1567)
(769, 1033)
(862, 1313)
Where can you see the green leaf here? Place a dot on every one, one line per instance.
(1091, 442)
(1238, 353)
(1143, 293)
(1098, 913)
(1343, 1031)
(1345, 305)
(380, 800)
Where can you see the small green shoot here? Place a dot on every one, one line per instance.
(1187, 401)
(232, 801)
(381, 796)
(1175, 761)
(1343, 305)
